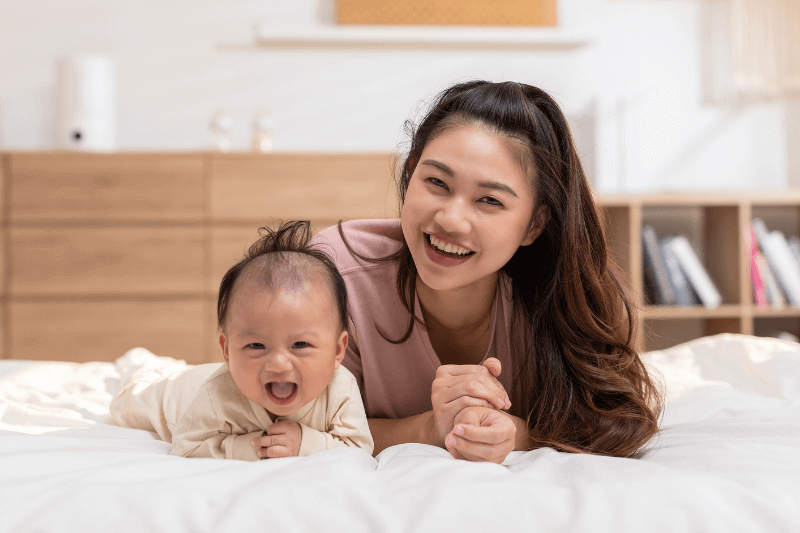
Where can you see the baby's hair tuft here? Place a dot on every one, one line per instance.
(291, 237)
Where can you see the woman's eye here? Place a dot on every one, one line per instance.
(256, 346)
(437, 182)
(300, 344)
(491, 201)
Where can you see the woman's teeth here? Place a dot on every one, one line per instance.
(448, 247)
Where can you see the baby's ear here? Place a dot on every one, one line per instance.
(223, 343)
(341, 346)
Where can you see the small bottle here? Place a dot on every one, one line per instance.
(221, 127)
(263, 127)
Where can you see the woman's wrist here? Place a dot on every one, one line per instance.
(432, 436)
(522, 441)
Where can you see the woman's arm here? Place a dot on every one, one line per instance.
(390, 431)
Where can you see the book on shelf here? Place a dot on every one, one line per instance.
(655, 273)
(774, 294)
(759, 290)
(781, 260)
(794, 245)
(695, 272)
(684, 294)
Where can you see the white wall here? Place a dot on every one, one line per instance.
(641, 72)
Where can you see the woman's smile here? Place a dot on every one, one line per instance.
(446, 254)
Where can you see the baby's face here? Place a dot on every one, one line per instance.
(283, 346)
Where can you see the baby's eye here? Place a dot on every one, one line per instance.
(437, 182)
(256, 346)
(301, 344)
(491, 201)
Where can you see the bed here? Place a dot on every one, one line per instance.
(726, 460)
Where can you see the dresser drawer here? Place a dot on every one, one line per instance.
(312, 187)
(103, 330)
(64, 186)
(106, 260)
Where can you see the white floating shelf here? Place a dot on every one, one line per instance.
(419, 37)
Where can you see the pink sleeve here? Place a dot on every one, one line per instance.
(352, 357)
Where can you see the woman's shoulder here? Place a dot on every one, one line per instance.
(373, 239)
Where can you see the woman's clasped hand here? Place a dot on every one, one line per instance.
(468, 403)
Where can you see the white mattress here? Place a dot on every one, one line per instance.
(728, 459)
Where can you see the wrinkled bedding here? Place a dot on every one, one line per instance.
(727, 459)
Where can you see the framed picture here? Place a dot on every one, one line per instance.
(448, 12)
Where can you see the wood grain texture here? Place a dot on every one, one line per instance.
(3, 271)
(70, 186)
(4, 353)
(4, 159)
(448, 12)
(312, 186)
(104, 330)
(92, 261)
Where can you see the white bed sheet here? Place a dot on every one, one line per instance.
(726, 460)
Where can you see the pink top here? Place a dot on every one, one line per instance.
(395, 379)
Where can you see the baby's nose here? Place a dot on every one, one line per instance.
(278, 362)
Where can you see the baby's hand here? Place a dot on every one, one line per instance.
(282, 440)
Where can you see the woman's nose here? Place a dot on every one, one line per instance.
(453, 216)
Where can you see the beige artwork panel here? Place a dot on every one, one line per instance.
(449, 12)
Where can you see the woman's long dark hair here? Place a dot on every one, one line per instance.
(577, 374)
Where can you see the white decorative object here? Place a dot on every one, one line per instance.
(221, 127)
(751, 50)
(87, 103)
(263, 130)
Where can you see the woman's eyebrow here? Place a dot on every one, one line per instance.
(485, 184)
(441, 166)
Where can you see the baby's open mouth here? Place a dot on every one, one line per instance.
(281, 392)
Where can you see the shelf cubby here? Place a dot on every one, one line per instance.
(715, 224)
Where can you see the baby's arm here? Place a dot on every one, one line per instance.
(202, 431)
(346, 422)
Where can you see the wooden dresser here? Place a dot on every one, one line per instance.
(105, 252)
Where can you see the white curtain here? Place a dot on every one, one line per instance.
(751, 50)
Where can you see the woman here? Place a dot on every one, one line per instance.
(489, 318)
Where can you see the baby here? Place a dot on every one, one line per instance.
(282, 313)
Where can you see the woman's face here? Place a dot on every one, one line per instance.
(467, 209)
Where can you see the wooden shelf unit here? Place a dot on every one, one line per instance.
(100, 253)
(715, 224)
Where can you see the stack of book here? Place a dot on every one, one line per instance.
(674, 274)
(774, 266)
